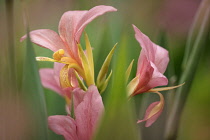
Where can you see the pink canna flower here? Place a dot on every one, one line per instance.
(152, 63)
(88, 107)
(65, 44)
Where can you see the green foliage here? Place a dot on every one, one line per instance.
(34, 96)
(118, 122)
(197, 41)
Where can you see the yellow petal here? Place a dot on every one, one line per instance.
(64, 77)
(58, 54)
(103, 87)
(50, 60)
(104, 69)
(132, 85)
(89, 55)
(45, 59)
(164, 88)
(86, 67)
(158, 107)
(128, 71)
(67, 60)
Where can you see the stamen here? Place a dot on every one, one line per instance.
(58, 54)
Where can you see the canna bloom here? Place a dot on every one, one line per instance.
(88, 107)
(77, 65)
(65, 45)
(152, 63)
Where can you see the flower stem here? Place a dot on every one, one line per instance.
(193, 53)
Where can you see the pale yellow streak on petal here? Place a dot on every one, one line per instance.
(132, 85)
(64, 77)
(67, 60)
(50, 60)
(164, 88)
(86, 67)
(45, 59)
(128, 71)
(89, 55)
(158, 107)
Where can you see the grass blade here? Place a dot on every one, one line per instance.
(118, 122)
(189, 72)
(34, 96)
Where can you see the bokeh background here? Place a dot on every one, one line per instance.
(158, 19)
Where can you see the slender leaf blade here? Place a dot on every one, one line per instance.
(34, 96)
(118, 121)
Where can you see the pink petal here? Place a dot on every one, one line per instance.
(67, 30)
(48, 80)
(145, 70)
(46, 38)
(72, 24)
(154, 53)
(91, 15)
(57, 68)
(154, 117)
(158, 79)
(146, 44)
(88, 113)
(63, 125)
(73, 78)
(78, 96)
(161, 59)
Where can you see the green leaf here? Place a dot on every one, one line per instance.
(197, 46)
(101, 79)
(118, 122)
(34, 96)
(128, 71)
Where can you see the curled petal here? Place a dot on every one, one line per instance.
(63, 125)
(90, 16)
(67, 29)
(153, 111)
(57, 68)
(88, 113)
(132, 85)
(157, 79)
(161, 58)
(165, 88)
(64, 77)
(145, 43)
(154, 53)
(145, 72)
(46, 38)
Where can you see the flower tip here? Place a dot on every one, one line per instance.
(109, 7)
(23, 38)
(134, 26)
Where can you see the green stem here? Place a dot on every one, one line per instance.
(189, 72)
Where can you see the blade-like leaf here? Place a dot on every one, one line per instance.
(104, 69)
(128, 71)
(118, 122)
(191, 65)
(34, 96)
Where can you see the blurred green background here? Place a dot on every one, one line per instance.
(155, 18)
